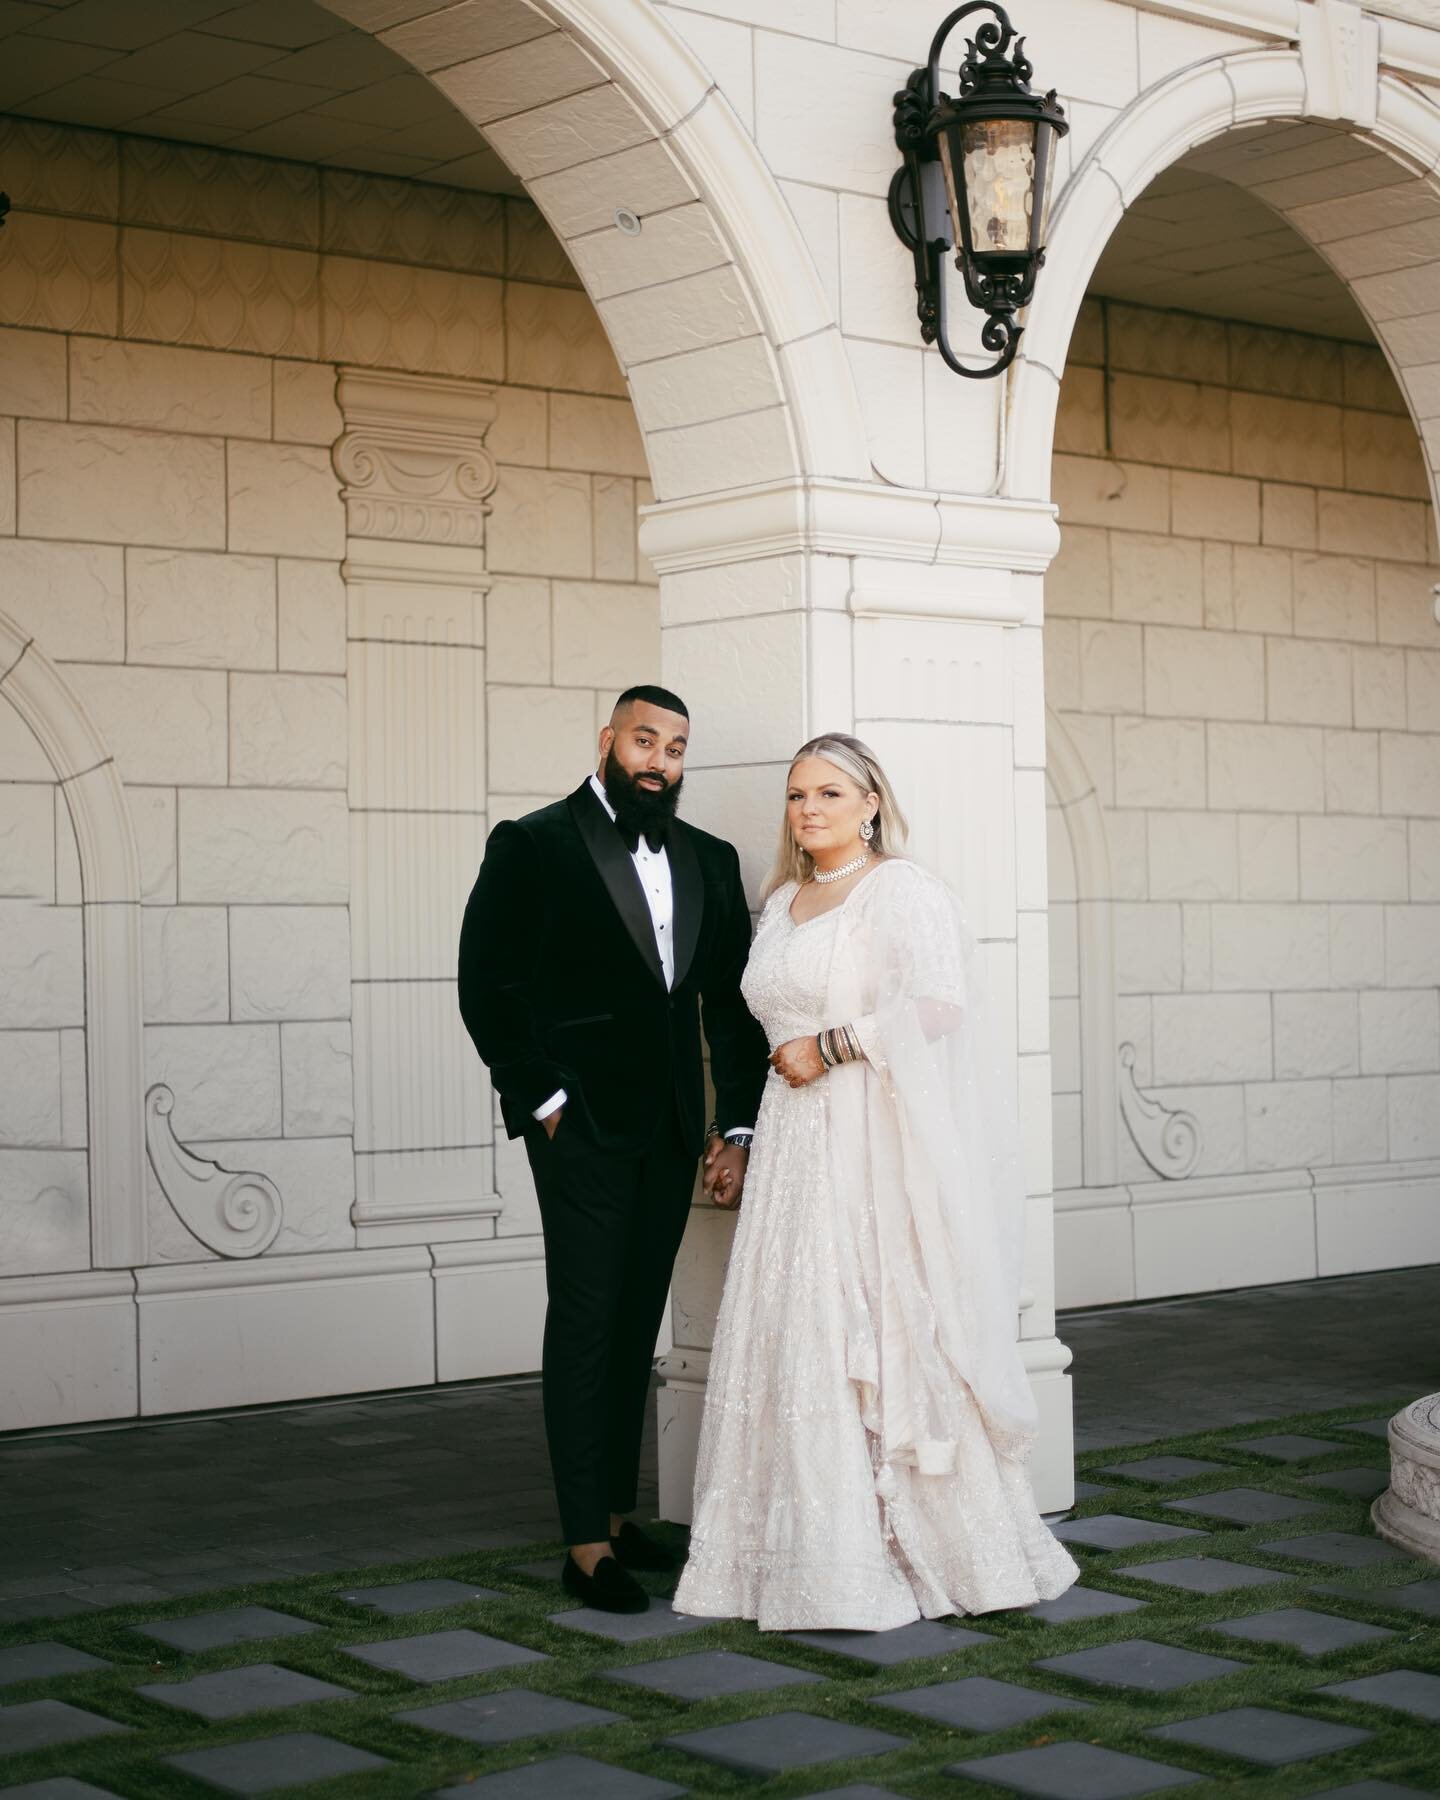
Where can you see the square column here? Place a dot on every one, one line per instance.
(913, 620)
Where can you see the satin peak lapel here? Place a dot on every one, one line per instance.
(617, 871)
(689, 890)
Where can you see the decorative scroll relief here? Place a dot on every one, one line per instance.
(235, 1215)
(412, 457)
(1169, 1141)
(1340, 57)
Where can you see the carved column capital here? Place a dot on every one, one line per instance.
(412, 457)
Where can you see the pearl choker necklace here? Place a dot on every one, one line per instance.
(850, 868)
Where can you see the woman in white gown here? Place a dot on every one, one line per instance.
(867, 1417)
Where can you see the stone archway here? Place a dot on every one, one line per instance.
(1349, 164)
(716, 313)
(779, 549)
(1391, 191)
(110, 901)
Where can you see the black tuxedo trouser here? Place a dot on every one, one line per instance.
(612, 1224)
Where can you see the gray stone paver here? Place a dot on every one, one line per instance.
(1141, 1663)
(1346, 1548)
(235, 1625)
(1379, 1428)
(36, 1724)
(1246, 1506)
(1311, 1633)
(502, 1718)
(1075, 1772)
(58, 1787)
(1364, 1484)
(1405, 1690)
(1288, 1446)
(785, 1740)
(402, 1597)
(1412, 1596)
(1165, 1468)
(255, 1688)
(709, 1674)
(977, 1703)
(1113, 1531)
(443, 1655)
(546, 1569)
(1083, 1603)
(1262, 1735)
(564, 1778)
(659, 1620)
(1202, 1574)
(857, 1790)
(925, 1637)
(263, 1764)
(38, 1662)
(1087, 1490)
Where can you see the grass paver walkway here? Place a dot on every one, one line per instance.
(1290, 1659)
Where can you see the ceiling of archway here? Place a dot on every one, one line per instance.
(288, 78)
(1197, 241)
(276, 77)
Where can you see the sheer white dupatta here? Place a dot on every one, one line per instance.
(926, 1179)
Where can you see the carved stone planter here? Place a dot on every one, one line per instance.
(1408, 1512)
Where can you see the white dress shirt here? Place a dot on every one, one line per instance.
(653, 868)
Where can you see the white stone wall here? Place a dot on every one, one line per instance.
(172, 534)
(1240, 643)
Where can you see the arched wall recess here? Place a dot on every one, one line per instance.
(1179, 114)
(1095, 927)
(110, 904)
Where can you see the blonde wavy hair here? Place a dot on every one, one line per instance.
(858, 763)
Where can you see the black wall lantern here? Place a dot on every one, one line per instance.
(980, 163)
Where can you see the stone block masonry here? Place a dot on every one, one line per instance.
(174, 534)
(1241, 649)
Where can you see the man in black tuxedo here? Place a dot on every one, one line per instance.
(597, 930)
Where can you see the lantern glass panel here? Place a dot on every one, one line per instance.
(999, 182)
(1044, 186)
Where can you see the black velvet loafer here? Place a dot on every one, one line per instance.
(609, 1589)
(635, 1550)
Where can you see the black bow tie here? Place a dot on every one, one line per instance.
(655, 838)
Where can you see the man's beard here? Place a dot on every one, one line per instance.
(639, 809)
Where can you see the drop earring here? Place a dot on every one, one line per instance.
(867, 831)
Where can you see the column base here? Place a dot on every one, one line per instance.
(1408, 1512)
(679, 1406)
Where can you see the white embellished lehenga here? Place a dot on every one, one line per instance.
(867, 1418)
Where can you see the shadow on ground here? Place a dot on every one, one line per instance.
(1237, 1621)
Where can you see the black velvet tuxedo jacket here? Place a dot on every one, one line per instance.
(561, 984)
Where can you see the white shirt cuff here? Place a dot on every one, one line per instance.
(553, 1104)
(748, 1130)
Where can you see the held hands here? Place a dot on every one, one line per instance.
(799, 1061)
(724, 1177)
